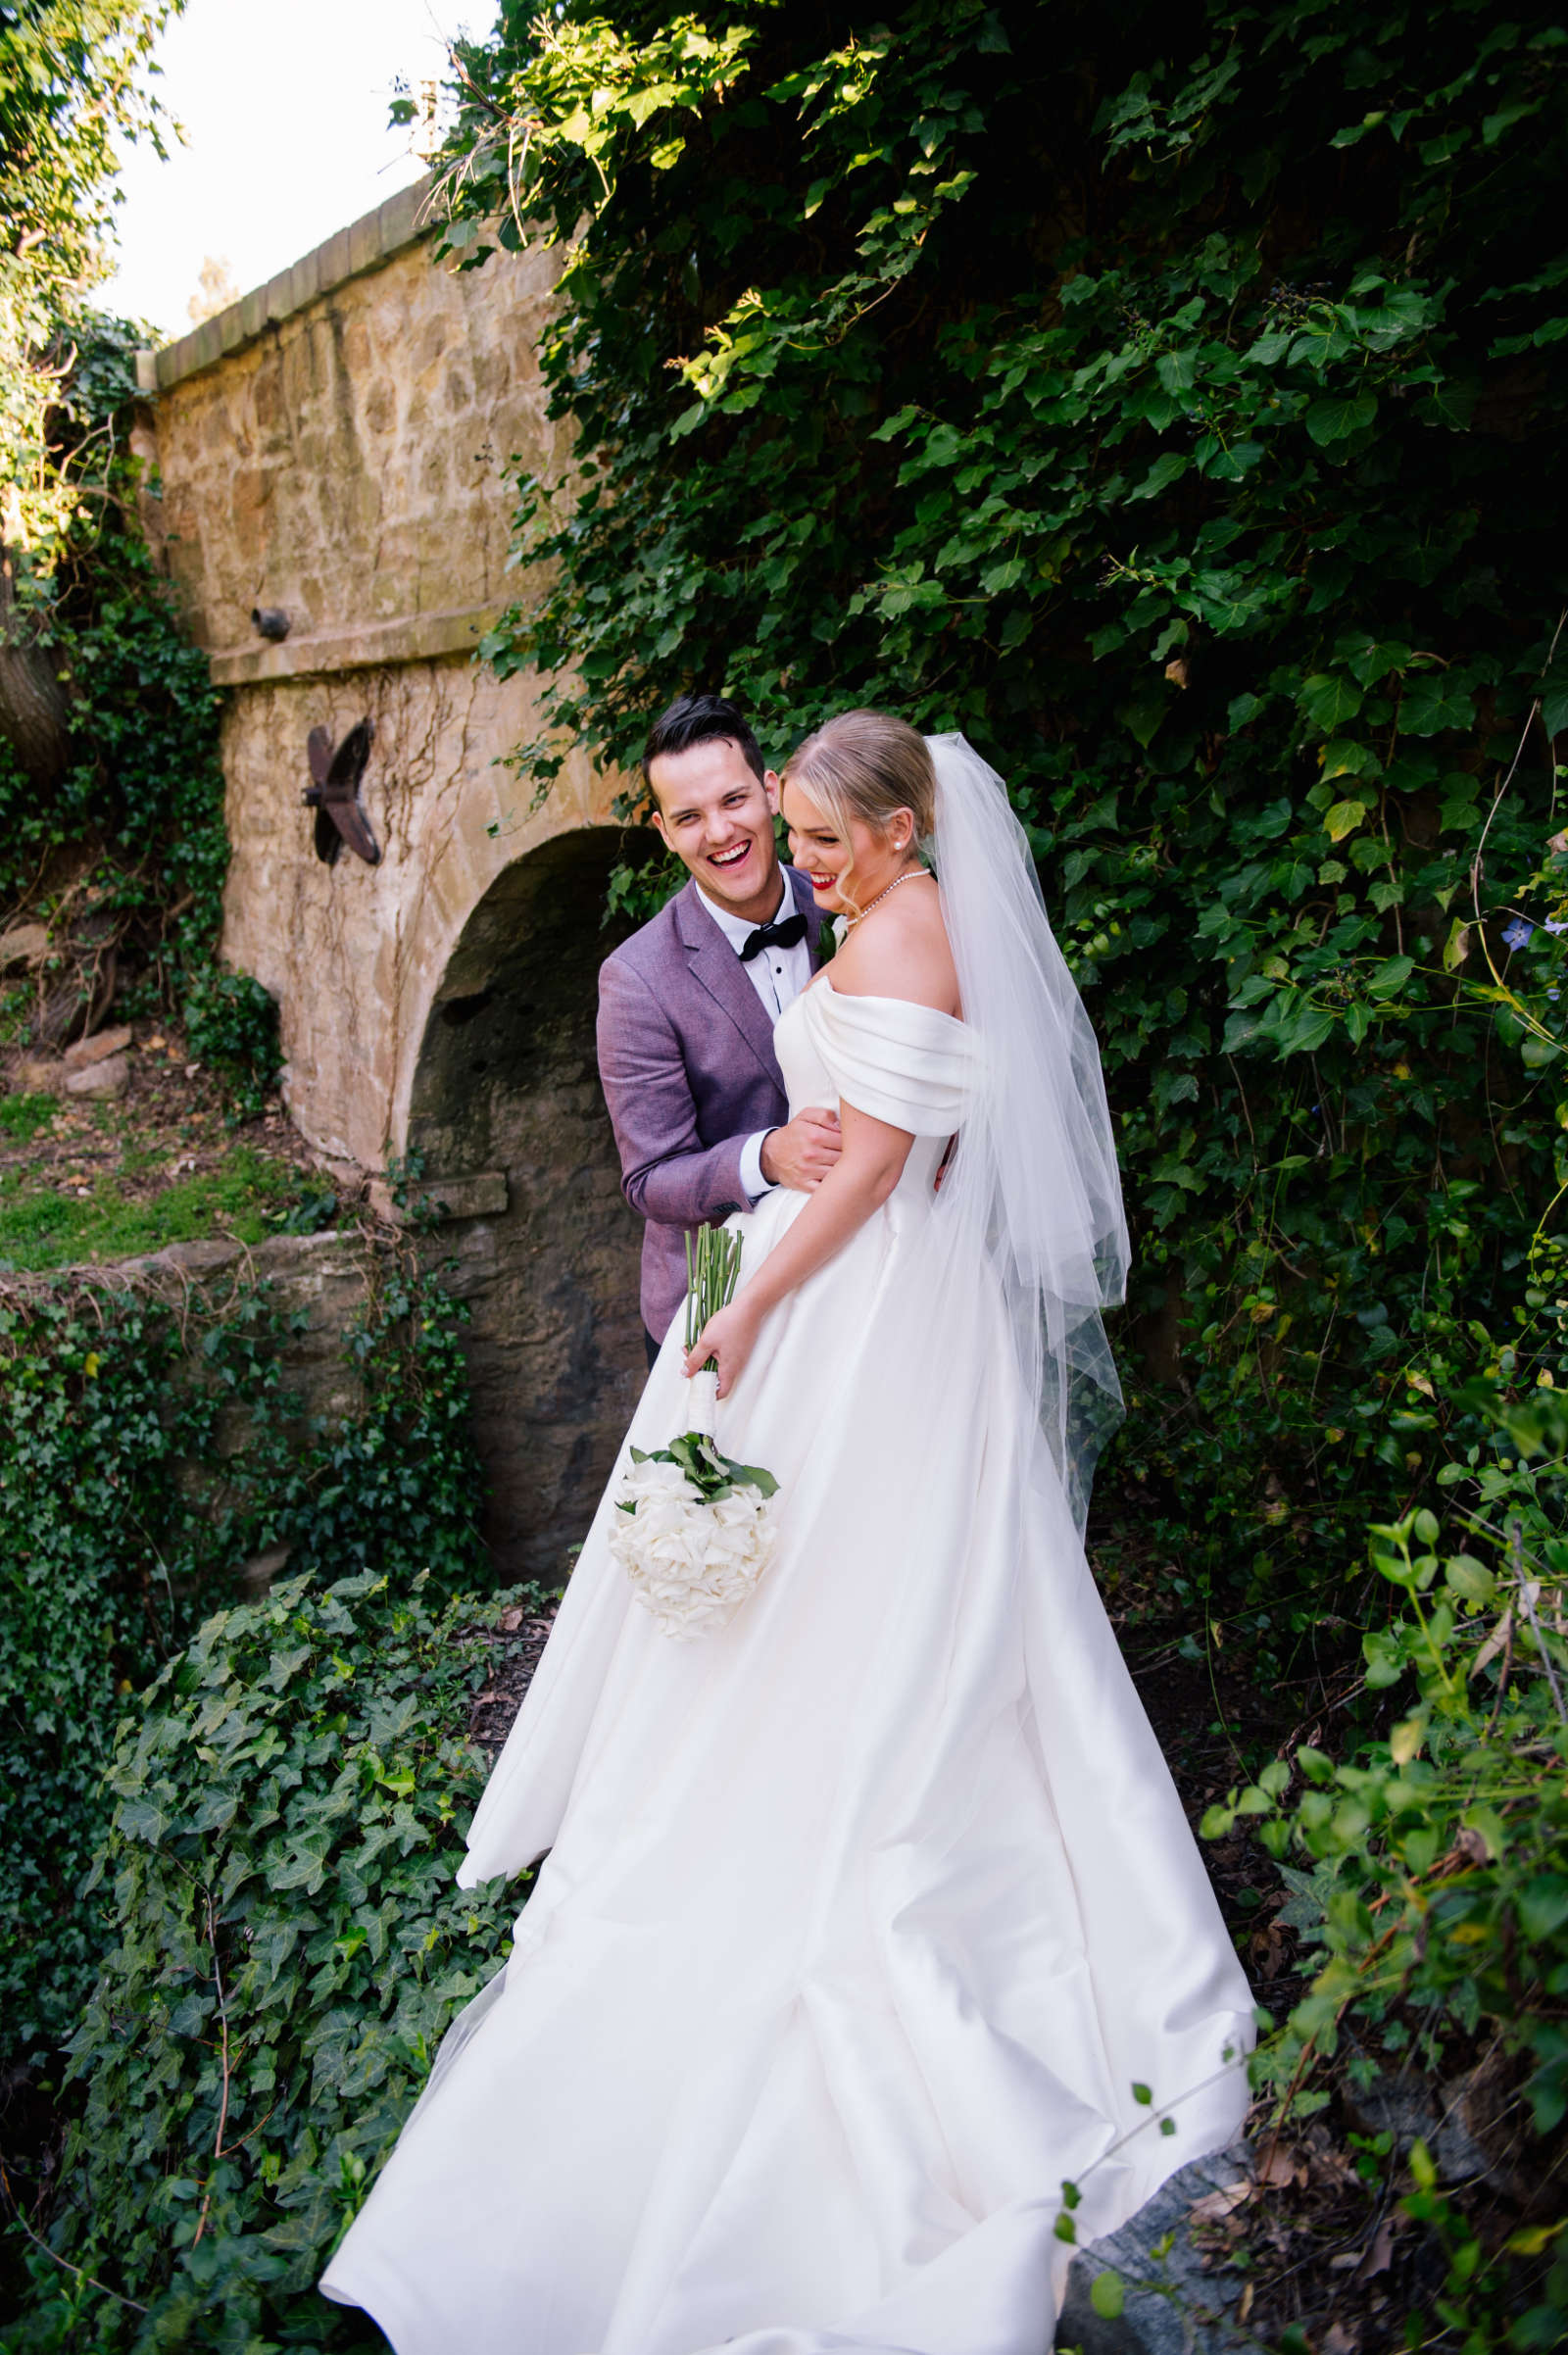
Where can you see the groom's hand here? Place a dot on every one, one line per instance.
(801, 1155)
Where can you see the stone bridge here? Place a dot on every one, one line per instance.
(335, 454)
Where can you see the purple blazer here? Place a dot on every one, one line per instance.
(686, 1059)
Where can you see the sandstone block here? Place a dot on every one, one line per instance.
(35, 1077)
(106, 1079)
(98, 1049)
(480, 1197)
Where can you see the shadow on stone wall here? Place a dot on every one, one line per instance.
(509, 1121)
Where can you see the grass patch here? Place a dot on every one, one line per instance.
(22, 1116)
(44, 1228)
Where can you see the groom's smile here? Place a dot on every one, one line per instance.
(716, 815)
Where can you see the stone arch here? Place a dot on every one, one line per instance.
(506, 1111)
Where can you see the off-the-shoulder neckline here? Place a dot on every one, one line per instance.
(871, 997)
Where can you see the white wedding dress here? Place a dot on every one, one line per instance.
(864, 1917)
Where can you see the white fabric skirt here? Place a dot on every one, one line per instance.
(862, 1917)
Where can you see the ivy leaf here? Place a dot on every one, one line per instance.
(1329, 700)
(1451, 405)
(1432, 705)
(1390, 977)
(1372, 659)
(1177, 370)
(1312, 1027)
(1345, 757)
(1343, 818)
(1338, 416)
(1166, 469)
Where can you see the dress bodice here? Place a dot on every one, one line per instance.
(909, 1065)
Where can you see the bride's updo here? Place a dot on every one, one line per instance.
(866, 766)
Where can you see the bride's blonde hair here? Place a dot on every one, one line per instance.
(866, 766)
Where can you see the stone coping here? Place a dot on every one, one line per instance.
(363, 645)
(363, 246)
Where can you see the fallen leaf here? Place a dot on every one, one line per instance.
(510, 1619)
(1336, 2340)
(1497, 1641)
(1380, 2256)
(1215, 2206)
(1278, 2168)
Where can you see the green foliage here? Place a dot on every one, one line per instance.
(103, 1547)
(72, 85)
(232, 1023)
(1431, 1868)
(72, 92)
(23, 1118)
(290, 1947)
(82, 606)
(43, 1228)
(144, 1457)
(1164, 401)
(134, 825)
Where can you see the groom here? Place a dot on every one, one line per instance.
(687, 1006)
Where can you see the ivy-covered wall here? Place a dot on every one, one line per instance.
(1169, 399)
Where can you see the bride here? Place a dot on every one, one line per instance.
(871, 1918)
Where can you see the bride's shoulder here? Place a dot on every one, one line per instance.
(900, 952)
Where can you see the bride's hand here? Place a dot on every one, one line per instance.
(730, 1337)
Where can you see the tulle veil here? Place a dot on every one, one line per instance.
(1033, 1189)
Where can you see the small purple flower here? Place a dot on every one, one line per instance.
(1556, 924)
(1517, 934)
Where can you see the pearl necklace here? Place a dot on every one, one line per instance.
(910, 875)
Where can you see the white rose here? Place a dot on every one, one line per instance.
(692, 1564)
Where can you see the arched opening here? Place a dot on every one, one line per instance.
(505, 1107)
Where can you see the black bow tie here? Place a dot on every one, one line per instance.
(773, 936)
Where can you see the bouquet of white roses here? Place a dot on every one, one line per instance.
(694, 1531)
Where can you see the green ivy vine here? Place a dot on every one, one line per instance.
(1165, 403)
(147, 1452)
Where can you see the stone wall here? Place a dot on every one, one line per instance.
(340, 448)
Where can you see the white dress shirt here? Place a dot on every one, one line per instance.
(778, 976)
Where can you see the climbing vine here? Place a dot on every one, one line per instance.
(289, 1947)
(149, 1448)
(1165, 398)
(1162, 403)
(111, 791)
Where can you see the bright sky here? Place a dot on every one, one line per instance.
(285, 107)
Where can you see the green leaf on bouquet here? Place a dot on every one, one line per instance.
(752, 1476)
(712, 1474)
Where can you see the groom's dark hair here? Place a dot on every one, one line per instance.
(701, 720)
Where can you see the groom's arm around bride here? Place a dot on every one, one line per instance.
(687, 1006)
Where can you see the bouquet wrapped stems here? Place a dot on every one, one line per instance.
(694, 1529)
(713, 1271)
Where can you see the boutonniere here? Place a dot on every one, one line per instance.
(827, 940)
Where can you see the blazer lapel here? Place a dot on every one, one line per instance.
(725, 979)
(805, 905)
